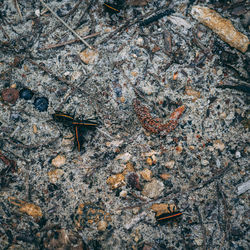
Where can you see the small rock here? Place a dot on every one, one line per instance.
(149, 161)
(34, 129)
(116, 181)
(123, 194)
(102, 225)
(218, 144)
(237, 154)
(54, 175)
(124, 158)
(204, 162)
(146, 174)
(153, 189)
(165, 176)
(89, 56)
(10, 95)
(189, 91)
(170, 164)
(128, 168)
(59, 161)
(242, 188)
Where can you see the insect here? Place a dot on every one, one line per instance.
(152, 125)
(156, 17)
(79, 126)
(169, 214)
(111, 8)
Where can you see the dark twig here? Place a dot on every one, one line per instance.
(65, 24)
(52, 46)
(226, 220)
(204, 231)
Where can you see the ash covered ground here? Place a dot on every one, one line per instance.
(109, 195)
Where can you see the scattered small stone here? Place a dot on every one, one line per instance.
(170, 164)
(26, 94)
(242, 188)
(218, 144)
(149, 161)
(123, 194)
(237, 154)
(165, 176)
(59, 161)
(89, 56)
(153, 189)
(35, 129)
(116, 181)
(124, 158)
(102, 225)
(189, 91)
(55, 175)
(204, 162)
(146, 174)
(41, 104)
(10, 95)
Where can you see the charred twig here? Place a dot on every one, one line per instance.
(73, 9)
(218, 176)
(66, 25)
(227, 226)
(18, 8)
(52, 46)
(204, 231)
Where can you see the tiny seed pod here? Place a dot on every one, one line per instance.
(10, 95)
(41, 104)
(26, 94)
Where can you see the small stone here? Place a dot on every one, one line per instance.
(54, 175)
(218, 144)
(124, 157)
(237, 154)
(59, 161)
(129, 168)
(146, 174)
(123, 194)
(122, 99)
(116, 181)
(139, 41)
(204, 162)
(102, 225)
(170, 164)
(34, 129)
(153, 189)
(10, 95)
(134, 73)
(179, 149)
(89, 56)
(149, 161)
(165, 176)
(189, 91)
